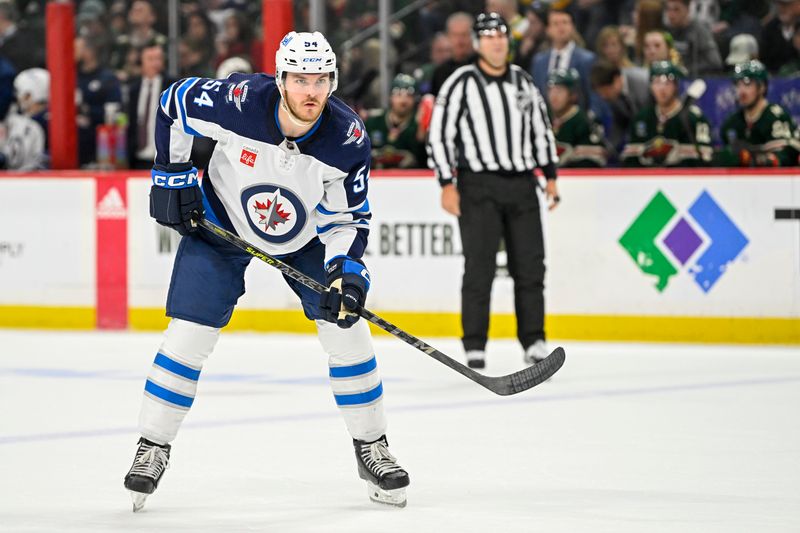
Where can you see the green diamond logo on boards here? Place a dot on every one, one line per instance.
(640, 240)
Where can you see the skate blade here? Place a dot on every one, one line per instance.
(395, 498)
(138, 500)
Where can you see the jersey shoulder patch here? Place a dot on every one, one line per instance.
(777, 111)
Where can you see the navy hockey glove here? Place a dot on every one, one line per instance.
(348, 284)
(175, 197)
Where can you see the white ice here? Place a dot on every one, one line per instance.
(626, 438)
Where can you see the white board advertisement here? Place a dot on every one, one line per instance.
(47, 242)
(649, 245)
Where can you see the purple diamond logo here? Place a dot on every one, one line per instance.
(683, 241)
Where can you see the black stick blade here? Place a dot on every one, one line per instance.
(526, 378)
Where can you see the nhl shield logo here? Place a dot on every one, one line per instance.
(273, 212)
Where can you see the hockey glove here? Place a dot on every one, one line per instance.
(175, 197)
(348, 283)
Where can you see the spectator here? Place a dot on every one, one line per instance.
(24, 146)
(693, 40)
(648, 17)
(7, 75)
(565, 53)
(237, 40)
(592, 15)
(759, 133)
(744, 47)
(658, 46)
(440, 52)
(459, 32)
(534, 40)
(792, 68)
(517, 24)
(776, 37)
(141, 32)
(19, 47)
(97, 87)
(624, 93)
(117, 20)
(668, 133)
(231, 65)
(737, 17)
(393, 132)
(192, 60)
(200, 33)
(611, 47)
(91, 20)
(578, 137)
(143, 103)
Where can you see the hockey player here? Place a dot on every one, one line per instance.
(289, 171)
(23, 141)
(578, 137)
(759, 133)
(669, 133)
(394, 132)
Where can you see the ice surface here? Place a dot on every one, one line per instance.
(626, 438)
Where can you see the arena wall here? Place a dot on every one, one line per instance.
(696, 255)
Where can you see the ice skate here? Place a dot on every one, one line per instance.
(476, 359)
(386, 480)
(536, 352)
(148, 466)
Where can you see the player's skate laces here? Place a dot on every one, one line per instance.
(148, 466)
(386, 480)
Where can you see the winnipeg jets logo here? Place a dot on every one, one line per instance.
(355, 134)
(238, 94)
(273, 212)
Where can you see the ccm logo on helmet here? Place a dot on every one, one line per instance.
(312, 60)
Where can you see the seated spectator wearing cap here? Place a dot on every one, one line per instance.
(693, 40)
(668, 133)
(744, 48)
(24, 146)
(578, 137)
(776, 37)
(393, 132)
(758, 133)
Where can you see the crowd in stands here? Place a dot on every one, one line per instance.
(597, 56)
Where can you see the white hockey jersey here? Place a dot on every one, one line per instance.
(279, 194)
(23, 143)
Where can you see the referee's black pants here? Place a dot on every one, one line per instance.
(495, 207)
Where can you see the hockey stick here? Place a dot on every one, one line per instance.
(503, 385)
(694, 92)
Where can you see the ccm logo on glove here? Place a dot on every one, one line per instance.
(175, 181)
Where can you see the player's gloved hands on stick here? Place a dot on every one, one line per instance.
(175, 197)
(348, 284)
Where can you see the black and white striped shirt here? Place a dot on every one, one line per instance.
(486, 124)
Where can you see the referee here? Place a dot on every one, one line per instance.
(488, 131)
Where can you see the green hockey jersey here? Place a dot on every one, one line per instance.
(395, 147)
(772, 140)
(578, 140)
(667, 142)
